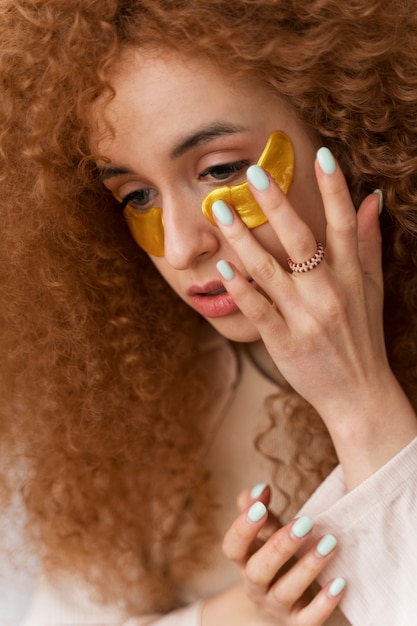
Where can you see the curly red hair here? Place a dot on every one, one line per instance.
(92, 406)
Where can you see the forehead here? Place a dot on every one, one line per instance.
(169, 70)
(163, 95)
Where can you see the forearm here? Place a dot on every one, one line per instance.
(231, 607)
(371, 429)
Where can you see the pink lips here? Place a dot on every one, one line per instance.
(212, 300)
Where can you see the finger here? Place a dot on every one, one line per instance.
(323, 605)
(296, 237)
(260, 264)
(369, 236)
(261, 492)
(253, 302)
(238, 541)
(293, 584)
(264, 565)
(341, 232)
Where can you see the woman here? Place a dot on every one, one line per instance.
(128, 416)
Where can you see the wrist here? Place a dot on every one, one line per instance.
(370, 429)
(231, 606)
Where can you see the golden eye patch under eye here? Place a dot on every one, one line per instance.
(278, 159)
(147, 227)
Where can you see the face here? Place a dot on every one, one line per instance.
(182, 129)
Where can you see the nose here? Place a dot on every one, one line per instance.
(189, 236)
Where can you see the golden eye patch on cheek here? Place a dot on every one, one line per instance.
(147, 227)
(278, 159)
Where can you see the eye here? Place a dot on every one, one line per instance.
(224, 171)
(140, 199)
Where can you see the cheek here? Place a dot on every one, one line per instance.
(305, 197)
(163, 268)
(314, 216)
(169, 274)
(269, 240)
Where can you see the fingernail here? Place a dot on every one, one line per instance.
(326, 545)
(381, 199)
(258, 490)
(225, 270)
(257, 177)
(222, 212)
(302, 526)
(256, 512)
(337, 586)
(326, 161)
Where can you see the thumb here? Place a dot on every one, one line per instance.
(261, 493)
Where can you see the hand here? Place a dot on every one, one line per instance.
(323, 328)
(276, 584)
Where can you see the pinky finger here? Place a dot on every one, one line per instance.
(323, 605)
(254, 304)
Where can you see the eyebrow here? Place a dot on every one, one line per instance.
(108, 172)
(206, 134)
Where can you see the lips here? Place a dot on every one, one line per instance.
(211, 300)
(209, 289)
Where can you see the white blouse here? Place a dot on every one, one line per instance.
(375, 525)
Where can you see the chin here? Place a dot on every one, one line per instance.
(235, 328)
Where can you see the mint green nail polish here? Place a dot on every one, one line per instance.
(302, 526)
(380, 195)
(257, 177)
(337, 586)
(326, 545)
(326, 161)
(225, 270)
(258, 490)
(256, 512)
(222, 212)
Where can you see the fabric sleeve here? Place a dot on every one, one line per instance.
(375, 525)
(64, 603)
(189, 616)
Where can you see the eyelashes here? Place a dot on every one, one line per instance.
(224, 171)
(143, 199)
(146, 221)
(140, 198)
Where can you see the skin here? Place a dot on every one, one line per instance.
(148, 131)
(162, 101)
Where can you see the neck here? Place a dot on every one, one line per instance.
(262, 360)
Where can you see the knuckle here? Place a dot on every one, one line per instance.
(313, 328)
(264, 270)
(258, 312)
(238, 237)
(255, 575)
(335, 310)
(346, 221)
(253, 594)
(335, 313)
(347, 226)
(305, 246)
(279, 596)
(235, 545)
(312, 566)
(280, 547)
(229, 548)
(309, 620)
